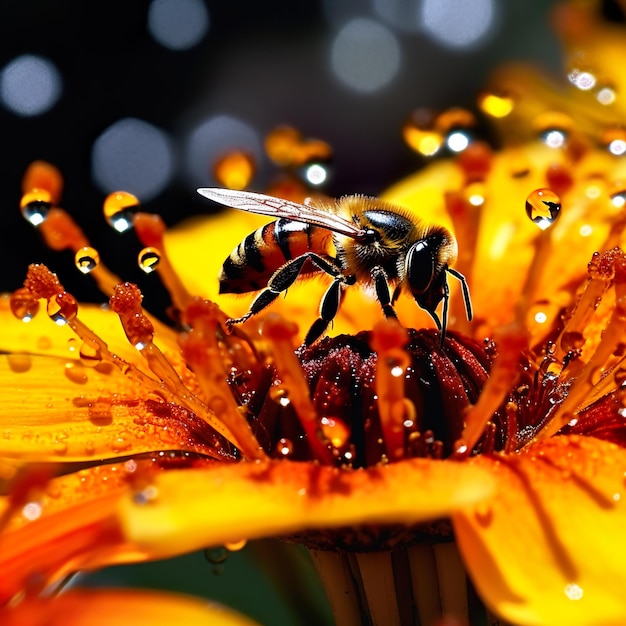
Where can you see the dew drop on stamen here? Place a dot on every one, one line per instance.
(86, 259)
(62, 308)
(35, 206)
(23, 305)
(280, 395)
(543, 207)
(148, 259)
(119, 208)
(335, 430)
(284, 447)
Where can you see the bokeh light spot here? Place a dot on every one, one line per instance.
(458, 23)
(29, 85)
(401, 14)
(214, 138)
(365, 55)
(134, 156)
(178, 24)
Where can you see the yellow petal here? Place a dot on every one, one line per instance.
(548, 549)
(251, 500)
(122, 608)
(57, 409)
(42, 336)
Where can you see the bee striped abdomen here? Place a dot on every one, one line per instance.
(251, 264)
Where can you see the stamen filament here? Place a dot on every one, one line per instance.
(281, 334)
(200, 349)
(150, 229)
(388, 340)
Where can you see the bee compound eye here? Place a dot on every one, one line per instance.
(419, 266)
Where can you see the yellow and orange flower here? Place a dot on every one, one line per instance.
(399, 462)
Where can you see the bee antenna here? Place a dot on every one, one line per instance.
(466, 294)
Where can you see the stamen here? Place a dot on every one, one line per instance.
(126, 302)
(601, 271)
(150, 229)
(281, 334)
(612, 338)
(200, 349)
(389, 340)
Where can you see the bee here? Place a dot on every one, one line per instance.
(377, 245)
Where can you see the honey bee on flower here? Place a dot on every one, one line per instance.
(378, 245)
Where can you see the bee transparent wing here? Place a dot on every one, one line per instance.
(278, 207)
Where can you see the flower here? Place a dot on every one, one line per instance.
(398, 459)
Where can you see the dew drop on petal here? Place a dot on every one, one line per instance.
(76, 373)
(148, 259)
(216, 555)
(23, 304)
(90, 353)
(118, 210)
(19, 363)
(86, 259)
(543, 207)
(235, 546)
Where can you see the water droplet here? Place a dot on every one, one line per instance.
(216, 555)
(23, 305)
(76, 373)
(335, 430)
(553, 128)
(606, 94)
(62, 308)
(35, 206)
(59, 447)
(284, 447)
(420, 134)
(148, 259)
(543, 207)
(235, 546)
(496, 104)
(90, 353)
(234, 169)
(572, 340)
(86, 259)
(119, 208)
(32, 511)
(279, 394)
(148, 494)
(19, 363)
(484, 514)
(618, 196)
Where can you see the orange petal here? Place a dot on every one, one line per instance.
(122, 608)
(68, 526)
(548, 549)
(251, 500)
(57, 409)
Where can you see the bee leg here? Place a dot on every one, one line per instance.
(396, 294)
(282, 279)
(328, 309)
(381, 287)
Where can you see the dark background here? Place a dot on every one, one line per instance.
(265, 63)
